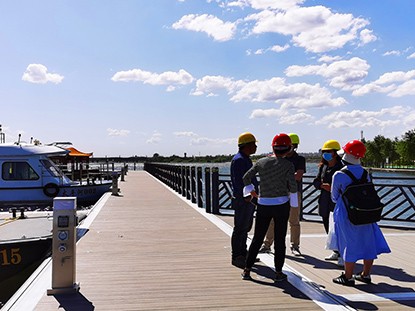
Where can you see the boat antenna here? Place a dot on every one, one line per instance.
(2, 136)
(31, 140)
(18, 141)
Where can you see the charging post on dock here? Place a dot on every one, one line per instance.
(64, 246)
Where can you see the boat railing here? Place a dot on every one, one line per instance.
(206, 187)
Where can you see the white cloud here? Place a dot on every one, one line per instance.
(155, 138)
(115, 132)
(364, 118)
(259, 52)
(170, 78)
(38, 73)
(272, 4)
(261, 4)
(267, 113)
(412, 56)
(201, 141)
(298, 95)
(328, 59)
(209, 24)
(315, 28)
(367, 36)
(394, 52)
(283, 116)
(343, 74)
(237, 3)
(279, 48)
(275, 48)
(405, 89)
(295, 118)
(396, 76)
(185, 134)
(409, 119)
(210, 85)
(395, 84)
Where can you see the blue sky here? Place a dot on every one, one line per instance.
(173, 77)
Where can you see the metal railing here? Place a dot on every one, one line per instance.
(212, 191)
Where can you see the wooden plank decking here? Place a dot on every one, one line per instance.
(150, 250)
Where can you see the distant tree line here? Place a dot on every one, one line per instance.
(381, 152)
(386, 152)
(312, 157)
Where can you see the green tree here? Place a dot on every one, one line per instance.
(406, 147)
(380, 151)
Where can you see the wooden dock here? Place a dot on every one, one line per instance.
(149, 249)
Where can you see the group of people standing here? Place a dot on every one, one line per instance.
(277, 201)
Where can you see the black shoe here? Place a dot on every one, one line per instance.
(363, 278)
(280, 276)
(239, 262)
(246, 274)
(343, 280)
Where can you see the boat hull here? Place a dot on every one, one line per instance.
(42, 196)
(16, 256)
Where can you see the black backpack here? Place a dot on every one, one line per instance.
(361, 199)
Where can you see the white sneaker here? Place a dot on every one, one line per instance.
(333, 256)
(340, 262)
(295, 250)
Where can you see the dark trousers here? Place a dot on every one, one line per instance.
(326, 223)
(280, 214)
(243, 220)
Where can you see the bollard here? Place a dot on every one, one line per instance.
(13, 210)
(64, 247)
(22, 215)
(114, 184)
(122, 174)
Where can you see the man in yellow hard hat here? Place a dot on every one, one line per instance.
(243, 207)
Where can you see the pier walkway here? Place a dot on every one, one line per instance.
(148, 249)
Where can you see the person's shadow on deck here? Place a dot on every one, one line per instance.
(74, 302)
(396, 274)
(315, 262)
(268, 275)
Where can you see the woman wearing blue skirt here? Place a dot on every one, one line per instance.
(354, 242)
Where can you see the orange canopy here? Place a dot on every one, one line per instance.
(76, 153)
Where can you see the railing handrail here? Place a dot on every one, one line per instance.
(400, 198)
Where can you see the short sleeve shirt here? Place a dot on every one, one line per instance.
(299, 164)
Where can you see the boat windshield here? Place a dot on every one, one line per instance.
(52, 168)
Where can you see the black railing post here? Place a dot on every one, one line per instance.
(183, 180)
(177, 181)
(199, 182)
(208, 202)
(215, 190)
(187, 173)
(193, 183)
